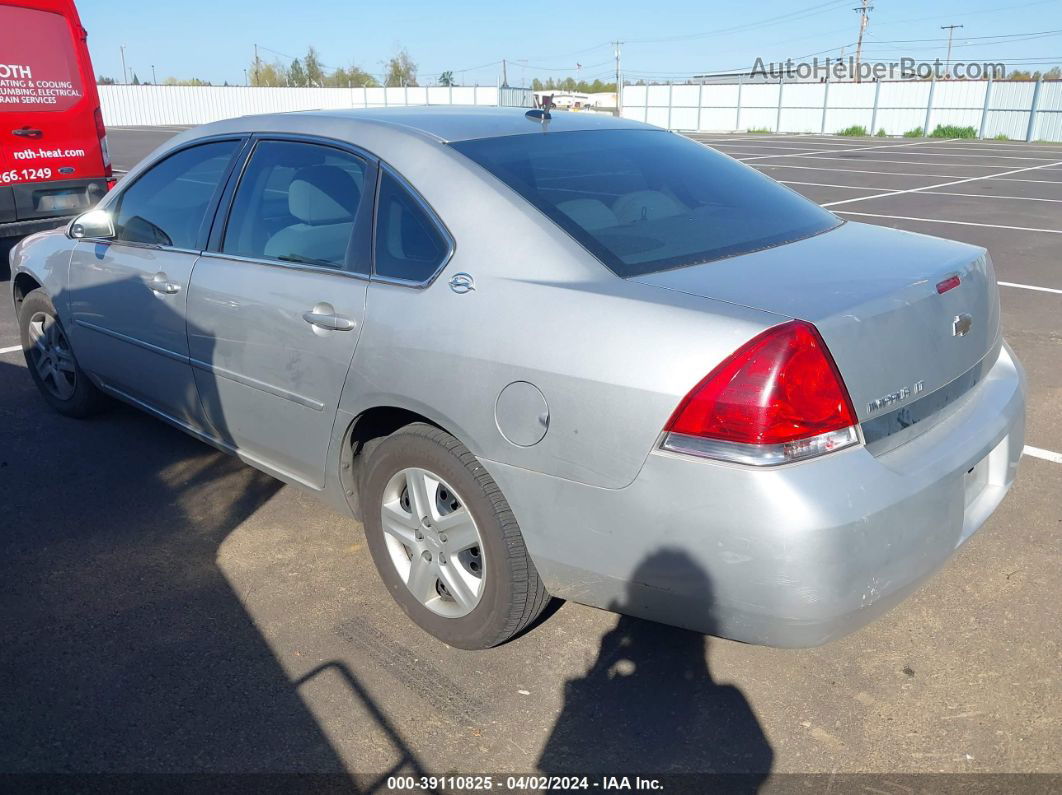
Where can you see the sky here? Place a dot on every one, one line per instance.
(671, 39)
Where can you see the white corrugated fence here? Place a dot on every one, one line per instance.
(1020, 110)
(165, 105)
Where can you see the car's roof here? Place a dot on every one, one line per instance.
(452, 123)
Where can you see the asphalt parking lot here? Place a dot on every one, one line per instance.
(170, 609)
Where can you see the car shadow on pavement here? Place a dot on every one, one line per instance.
(649, 705)
(125, 649)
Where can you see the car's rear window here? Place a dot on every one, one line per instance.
(648, 200)
(38, 63)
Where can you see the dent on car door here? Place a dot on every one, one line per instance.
(276, 306)
(127, 295)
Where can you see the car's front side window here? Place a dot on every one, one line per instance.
(168, 203)
(409, 244)
(296, 202)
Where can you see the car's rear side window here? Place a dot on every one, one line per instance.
(167, 204)
(39, 69)
(648, 200)
(409, 244)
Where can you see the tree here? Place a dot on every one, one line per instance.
(136, 80)
(400, 70)
(314, 72)
(104, 81)
(1054, 73)
(353, 77)
(195, 81)
(447, 79)
(296, 74)
(570, 84)
(268, 74)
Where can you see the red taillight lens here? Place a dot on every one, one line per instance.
(101, 133)
(101, 130)
(778, 398)
(948, 284)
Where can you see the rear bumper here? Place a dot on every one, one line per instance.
(792, 556)
(23, 228)
(32, 206)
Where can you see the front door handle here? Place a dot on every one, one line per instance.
(162, 285)
(27, 132)
(329, 322)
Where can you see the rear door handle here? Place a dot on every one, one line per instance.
(329, 322)
(162, 285)
(27, 132)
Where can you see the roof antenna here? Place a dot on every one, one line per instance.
(541, 111)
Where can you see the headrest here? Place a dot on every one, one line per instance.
(323, 195)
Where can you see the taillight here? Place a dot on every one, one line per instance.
(101, 133)
(778, 398)
(101, 129)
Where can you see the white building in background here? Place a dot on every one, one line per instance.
(577, 101)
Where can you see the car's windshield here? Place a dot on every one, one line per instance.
(647, 200)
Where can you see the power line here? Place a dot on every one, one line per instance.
(792, 16)
(973, 38)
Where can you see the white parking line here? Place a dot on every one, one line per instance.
(940, 185)
(1041, 181)
(942, 221)
(828, 185)
(982, 156)
(990, 196)
(955, 143)
(861, 171)
(1046, 455)
(804, 156)
(12, 349)
(856, 149)
(931, 192)
(787, 148)
(1030, 287)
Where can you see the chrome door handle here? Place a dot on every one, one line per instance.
(161, 284)
(329, 322)
(462, 283)
(27, 132)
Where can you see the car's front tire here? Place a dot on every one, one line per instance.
(51, 360)
(444, 539)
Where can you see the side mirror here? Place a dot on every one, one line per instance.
(93, 224)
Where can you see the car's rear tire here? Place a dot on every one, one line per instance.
(457, 566)
(51, 360)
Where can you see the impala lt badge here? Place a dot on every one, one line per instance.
(961, 325)
(895, 397)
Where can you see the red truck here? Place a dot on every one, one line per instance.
(53, 145)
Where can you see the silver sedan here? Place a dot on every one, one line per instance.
(573, 356)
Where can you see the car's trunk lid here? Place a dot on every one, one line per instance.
(872, 293)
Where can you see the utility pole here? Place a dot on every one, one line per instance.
(864, 12)
(154, 82)
(256, 64)
(125, 75)
(947, 61)
(619, 79)
(505, 75)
